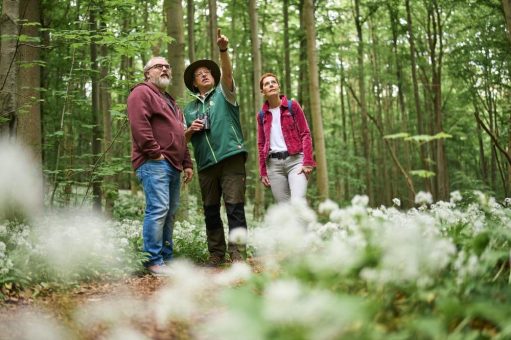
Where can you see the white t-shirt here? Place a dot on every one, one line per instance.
(277, 142)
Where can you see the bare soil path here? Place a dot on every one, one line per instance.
(58, 308)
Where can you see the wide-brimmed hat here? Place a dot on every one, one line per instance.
(190, 72)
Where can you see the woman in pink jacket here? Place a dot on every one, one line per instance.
(284, 143)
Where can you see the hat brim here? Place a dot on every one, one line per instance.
(190, 72)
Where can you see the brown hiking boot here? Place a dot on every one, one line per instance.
(214, 261)
(237, 252)
(236, 256)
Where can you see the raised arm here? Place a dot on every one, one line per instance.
(225, 60)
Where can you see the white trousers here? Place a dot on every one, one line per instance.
(285, 181)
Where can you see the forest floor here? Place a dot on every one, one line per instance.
(61, 307)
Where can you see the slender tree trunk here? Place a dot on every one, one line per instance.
(483, 164)
(435, 42)
(213, 24)
(363, 104)
(394, 18)
(344, 187)
(8, 67)
(287, 50)
(176, 58)
(105, 103)
(257, 98)
(176, 49)
(303, 84)
(96, 110)
(420, 120)
(385, 194)
(29, 81)
(319, 137)
(190, 16)
(506, 5)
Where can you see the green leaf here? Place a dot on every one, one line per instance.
(428, 138)
(422, 173)
(398, 135)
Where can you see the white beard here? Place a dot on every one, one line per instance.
(162, 83)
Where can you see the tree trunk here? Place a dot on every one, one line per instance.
(303, 84)
(190, 16)
(176, 49)
(95, 109)
(506, 5)
(363, 104)
(287, 50)
(315, 109)
(344, 183)
(435, 43)
(176, 58)
(257, 99)
(213, 24)
(420, 120)
(394, 19)
(384, 194)
(8, 67)
(29, 81)
(105, 103)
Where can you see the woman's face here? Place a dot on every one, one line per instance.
(270, 87)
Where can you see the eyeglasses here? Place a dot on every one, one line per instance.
(202, 73)
(161, 66)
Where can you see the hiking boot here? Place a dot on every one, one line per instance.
(237, 252)
(214, 261)
(159, 270)
(236, 256)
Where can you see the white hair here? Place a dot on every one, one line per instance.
(149, 64)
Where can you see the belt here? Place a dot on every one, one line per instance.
(279, 155)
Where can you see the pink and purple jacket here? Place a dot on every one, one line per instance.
(294, 129)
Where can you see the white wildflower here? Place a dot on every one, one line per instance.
(465, 266)
(124, 332)
(320, 313)
(109, 310)
(360, 200)
(20, 179)
(409, 253)
(423, 198)
(189, 293)
(397, 202)
(285, 230)
(238, 236)
(481, 197)
(237, 273)
(33, 324)
(327, 206)
(456, 196)
(76, 240)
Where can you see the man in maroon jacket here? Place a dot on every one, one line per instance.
(159, 154)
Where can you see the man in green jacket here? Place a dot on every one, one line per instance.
(214, 128)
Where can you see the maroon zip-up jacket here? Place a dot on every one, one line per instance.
(157, 127)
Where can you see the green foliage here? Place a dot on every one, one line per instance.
(422, 173)
(128, 206)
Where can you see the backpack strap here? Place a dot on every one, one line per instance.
(290, 107)
(260, 117)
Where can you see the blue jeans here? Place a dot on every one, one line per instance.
(161, 182)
